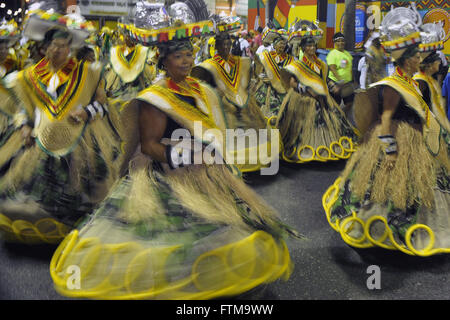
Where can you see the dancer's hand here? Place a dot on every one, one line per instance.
(390, 160)
(293, 83)
(79, 115)
(26, 135)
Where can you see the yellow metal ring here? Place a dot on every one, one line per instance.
(344, 231)
(369, 222)
(269, 120)
(349, 141)
(319, 157)
(427, 250)
(338, 155)
(306, 147)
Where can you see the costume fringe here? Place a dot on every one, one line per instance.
(291, 117)
(297, 123)
(211, 191)
(22, 168)
(4, 122)
(99, 132)
(129, 133)
(412, 177)
(11, 147)
(143, 203)
(247, 117)
(254, 117)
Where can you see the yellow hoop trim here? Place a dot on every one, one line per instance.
(330, 197)
(27, 232)
(333, 156)
(278, 266)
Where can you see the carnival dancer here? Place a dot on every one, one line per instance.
(8, 64)
(230, 75)
(314, 128)
(170, 229)
(66, 163)
(8, 61)
(129, 71)
(395, 190)
(376, 60)
(432, 36)
(269, 91)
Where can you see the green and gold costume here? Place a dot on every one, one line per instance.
(195, 232)
(70, 166)
(402, 205)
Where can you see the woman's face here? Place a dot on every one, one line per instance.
(280, 46)
(58, 51)
(128, 41)
(223, 48)
(179, 63)
(414, 62)
(340, 44)
(435, 66)
(309, 49)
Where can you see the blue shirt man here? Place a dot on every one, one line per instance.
(446, 93)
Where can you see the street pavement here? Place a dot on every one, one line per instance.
(325, 268)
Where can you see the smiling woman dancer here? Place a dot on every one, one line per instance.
(129, 71)
(171, 229)
(66, 161)
(9, 105)
(315, 128)
(269, 91)
(231, 75)
(395, 190)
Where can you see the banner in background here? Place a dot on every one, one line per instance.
(360, 25)
(106, 7)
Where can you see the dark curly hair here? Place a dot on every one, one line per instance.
(409, 53)
(221, 37)
(307, 41)
(169, 47)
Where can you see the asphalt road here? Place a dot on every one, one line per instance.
(325, 267)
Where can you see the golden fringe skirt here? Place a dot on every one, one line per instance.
(402, 205)
(313, 132)
(262, 145)
(196, 232)
(42, 196)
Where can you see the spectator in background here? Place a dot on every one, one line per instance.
(257, 40)
(236, 46)
(443, 69)
(446, 94)
(340, 63)
(265, 46)
(340, 60)
(244, 44)
(362, 68)
(375, 60)
(86, 53)
(390, 68)
(249, 39)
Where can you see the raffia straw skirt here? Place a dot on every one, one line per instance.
(42, 196)
(402, 205)
(311, 132)
(196, 232)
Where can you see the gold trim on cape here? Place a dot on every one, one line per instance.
(272, 70)
(413, 98)
(234, 83)
(128, 71)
